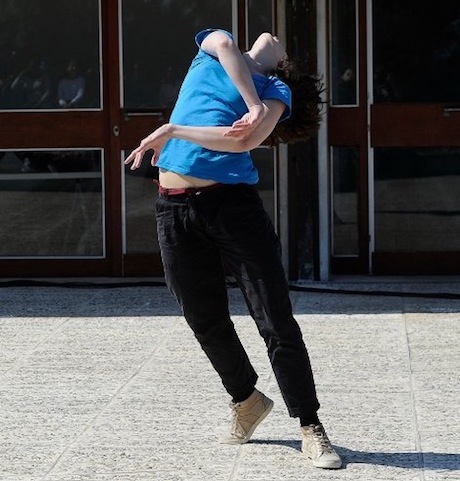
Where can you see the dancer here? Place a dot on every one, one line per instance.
(209, 214)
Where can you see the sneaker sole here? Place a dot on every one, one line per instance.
(336, 465)
(232, 440)
(317, 464)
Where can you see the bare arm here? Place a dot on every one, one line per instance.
(212, 138)
(224, 48)
(215, 138)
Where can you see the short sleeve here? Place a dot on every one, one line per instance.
(276, 89)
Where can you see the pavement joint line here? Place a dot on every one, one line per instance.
(418, 442)
(89, 424)
(236, 464)
(17, 364)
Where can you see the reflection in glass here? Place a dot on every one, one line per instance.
(343, 52)
(140, 195)
(345, 201)
(417, 200)
(259, 18)
(155, 55)
(49, 54)
(52, 204)
(416, 51)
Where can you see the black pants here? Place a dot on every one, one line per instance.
(197, 233)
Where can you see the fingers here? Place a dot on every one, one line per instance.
(129, 159)
(250, 119)
(154, 141)
(131, 156)
(245, 127)
(231, 133)
(135, 158)
(237, 132)
(240, 128)
(241, 122)
(136, 163)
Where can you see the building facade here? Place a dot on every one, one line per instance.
(377, 192)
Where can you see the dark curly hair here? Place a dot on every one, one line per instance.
(305, 116)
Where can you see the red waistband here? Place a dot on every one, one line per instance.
(186, 190)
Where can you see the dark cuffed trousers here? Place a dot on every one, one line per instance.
(197, 234)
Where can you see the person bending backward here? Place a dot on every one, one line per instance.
(209, 214)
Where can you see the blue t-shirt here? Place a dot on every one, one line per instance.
(208, 97)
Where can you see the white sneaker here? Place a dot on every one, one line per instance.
(246, 416)
(318, 449)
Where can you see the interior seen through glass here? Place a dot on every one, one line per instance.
(416, 51)
(417, 199)
(52, 203)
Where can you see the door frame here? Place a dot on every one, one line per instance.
(383, 132)
(34, 130)
(344, 126)
(368, 126)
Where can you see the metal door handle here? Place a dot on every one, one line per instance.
(127, 114)
(449, 110)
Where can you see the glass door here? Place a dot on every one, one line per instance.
(80, 84)
(415, 120)
(393, 126)
(54, 151)
(154, 60)
(348, 137)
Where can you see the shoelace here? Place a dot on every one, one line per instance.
(236, 429)
(321, 439)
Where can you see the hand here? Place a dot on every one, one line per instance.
(244, 126)
(156, 141)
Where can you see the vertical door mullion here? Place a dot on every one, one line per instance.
(370, 149)
(111, 107)
(365, 170)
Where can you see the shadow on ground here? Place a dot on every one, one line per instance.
(155, 300)
(407, 460)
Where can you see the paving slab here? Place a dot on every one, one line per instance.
(109, 384)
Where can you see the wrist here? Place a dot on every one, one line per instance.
(169, 130)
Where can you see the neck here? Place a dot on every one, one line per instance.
(254, 65)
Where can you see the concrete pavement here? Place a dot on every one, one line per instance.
(108, 384)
